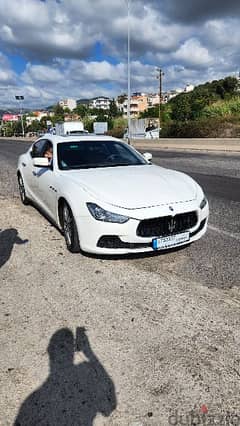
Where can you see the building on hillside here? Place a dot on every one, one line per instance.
(101, 102)
(30, 119)
(138, 103)
(174, 93)
(188, 88)
(71, 117)
(40, 114)
(153, 99)
(83, 101)
(37, 115)
(68, 103)
(120, 99)
(8, 117)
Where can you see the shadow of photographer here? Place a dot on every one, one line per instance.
(72, 394)
(8, 238)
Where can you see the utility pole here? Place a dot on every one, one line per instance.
(129, 76)
(159, 77)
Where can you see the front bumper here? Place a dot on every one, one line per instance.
(113, 238)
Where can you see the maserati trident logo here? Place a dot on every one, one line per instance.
(172, 225)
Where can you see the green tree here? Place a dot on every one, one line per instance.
(81, 110)
(181, 107)
(35, 126)
(43, 123)
(102, 115)
(8, 129)
(122, 98)
(67, 110)
(17, 127)
(113, 109)
(88, 124)
(58, 113)
(230, 85)
(153, 112)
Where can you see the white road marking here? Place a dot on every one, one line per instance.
(228, 234)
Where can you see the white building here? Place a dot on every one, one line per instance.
(68, 103)
(174, 93)
(138, 103)
(102, 102)
(189, 88)
(153, 99)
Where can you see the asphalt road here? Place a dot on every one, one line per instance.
(163, 328)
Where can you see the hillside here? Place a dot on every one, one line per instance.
(210, 110)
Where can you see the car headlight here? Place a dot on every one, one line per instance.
(203, 203)
(105, 216)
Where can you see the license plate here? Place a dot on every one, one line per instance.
(170, 241)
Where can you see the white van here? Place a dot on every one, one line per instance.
(70, 128)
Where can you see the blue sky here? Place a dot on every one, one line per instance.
(78, 48)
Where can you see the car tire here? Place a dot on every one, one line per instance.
(70, 229)
(22, 190)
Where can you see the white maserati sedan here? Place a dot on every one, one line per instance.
(108, 198)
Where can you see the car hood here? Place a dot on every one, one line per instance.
(133, 187)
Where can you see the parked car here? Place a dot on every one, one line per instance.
(108, 198)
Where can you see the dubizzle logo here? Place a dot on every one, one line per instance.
(204, 418)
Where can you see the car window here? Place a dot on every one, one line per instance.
(38, 148)
(100, 153)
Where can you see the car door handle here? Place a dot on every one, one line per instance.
(34, 173)
(23, 164)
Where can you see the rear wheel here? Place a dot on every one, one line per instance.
(70, 229)
(22, 191)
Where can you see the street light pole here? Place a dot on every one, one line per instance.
(20, 98)
(159, 77)
(129, 76)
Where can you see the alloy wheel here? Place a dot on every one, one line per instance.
(67, 225)
(22, 191)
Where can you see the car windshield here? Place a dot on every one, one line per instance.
(93, 154)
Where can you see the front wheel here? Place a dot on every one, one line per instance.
(22, 191)
(70, 229)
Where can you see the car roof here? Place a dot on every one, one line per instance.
(56, 139)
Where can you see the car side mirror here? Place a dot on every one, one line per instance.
(148, 156)
(41, 162)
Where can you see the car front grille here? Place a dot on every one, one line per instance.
(167, 225)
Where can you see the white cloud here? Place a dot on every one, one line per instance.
(41, 73)
(44, 29)
(192, 53)
(58, 40)
(7, 75)
(96, 71)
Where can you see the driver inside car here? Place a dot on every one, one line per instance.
(48, 153)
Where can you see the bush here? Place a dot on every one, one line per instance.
(117, 132)
(88, 124)
(222, 108)
(215, 127)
